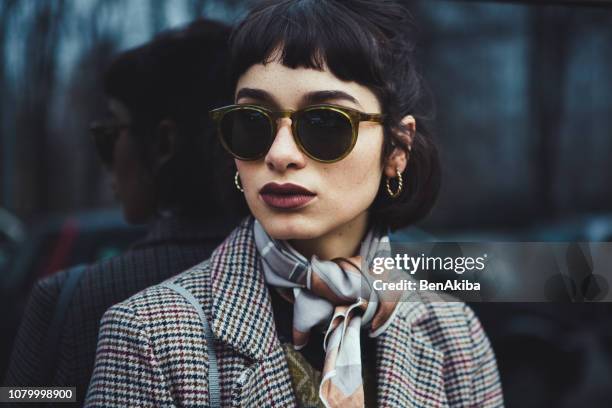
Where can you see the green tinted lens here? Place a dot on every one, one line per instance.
(246, 132)
(325, 134)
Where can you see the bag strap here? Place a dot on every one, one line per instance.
(52, 340)
(213, 369)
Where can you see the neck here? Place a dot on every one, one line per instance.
(343, 241)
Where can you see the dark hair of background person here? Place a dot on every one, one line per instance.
(180, 76)
(368, 42)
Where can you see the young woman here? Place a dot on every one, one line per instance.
(329, 154)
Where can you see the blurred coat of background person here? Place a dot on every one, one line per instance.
(159, 148)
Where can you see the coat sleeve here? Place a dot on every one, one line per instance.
(27, 358)
(126, 372)
(487, 390)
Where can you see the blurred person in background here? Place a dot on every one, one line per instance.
(159, 147)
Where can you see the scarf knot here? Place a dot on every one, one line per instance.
(335, 293)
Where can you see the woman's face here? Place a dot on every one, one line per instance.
(341, 191)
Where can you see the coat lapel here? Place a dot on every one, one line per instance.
(242, 318)
(241, 308)
(409, 368)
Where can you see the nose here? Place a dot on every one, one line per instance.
(284, 153)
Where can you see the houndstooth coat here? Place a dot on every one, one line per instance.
(152, 350)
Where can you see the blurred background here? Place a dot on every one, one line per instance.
(523, 96)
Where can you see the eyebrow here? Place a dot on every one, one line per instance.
(316, 97)
(257, 94)
(311, 98)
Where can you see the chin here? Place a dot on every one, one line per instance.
(290, 226)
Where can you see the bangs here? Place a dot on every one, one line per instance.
(372, 43)
(312, 34)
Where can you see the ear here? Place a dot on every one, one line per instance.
(398, 159)
(166, 140)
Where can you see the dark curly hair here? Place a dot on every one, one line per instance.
(365, 41)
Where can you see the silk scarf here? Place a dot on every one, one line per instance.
(337, 294)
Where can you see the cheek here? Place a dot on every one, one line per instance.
(133, 182)
(354, 181)
(123, 159)
(127, 157)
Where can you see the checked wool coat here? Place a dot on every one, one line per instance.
(152, 350)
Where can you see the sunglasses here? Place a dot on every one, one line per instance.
(105, 134)
(325, 133)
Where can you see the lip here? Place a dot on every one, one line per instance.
(286, 196)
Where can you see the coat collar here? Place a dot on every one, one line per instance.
(242, 317)
(242, 313)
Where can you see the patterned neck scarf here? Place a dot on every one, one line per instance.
(334, 294)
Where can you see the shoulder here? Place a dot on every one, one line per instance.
(113, 280)
(449, 324)
(452, 313)
(94, 281)
(157, 304)
(453, 329)
(96, 287)
(44, 296)
(48, 288)
(148, 326)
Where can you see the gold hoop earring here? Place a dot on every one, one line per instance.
(237, 182)
(400, 185)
